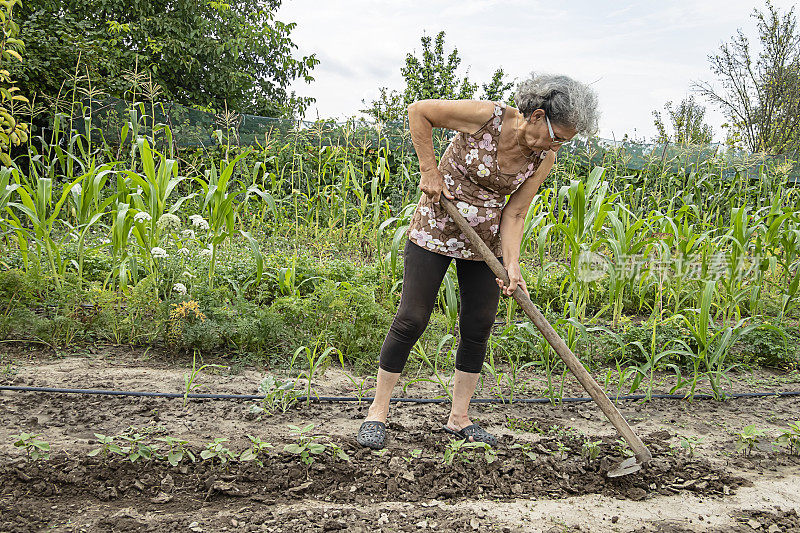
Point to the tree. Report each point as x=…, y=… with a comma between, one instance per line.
x=200, y=53
x=434, y=75
x=686, y=122
x=497, y=87
x=760, y=92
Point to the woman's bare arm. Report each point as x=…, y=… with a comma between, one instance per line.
x=460, y=115
x=512, y=220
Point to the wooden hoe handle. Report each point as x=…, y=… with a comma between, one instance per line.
x=640, y=451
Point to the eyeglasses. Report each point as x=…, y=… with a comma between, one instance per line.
x=553, y=138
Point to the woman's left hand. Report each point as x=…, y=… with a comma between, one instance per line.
x=515, y=278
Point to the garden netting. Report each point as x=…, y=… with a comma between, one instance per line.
x=191, y=127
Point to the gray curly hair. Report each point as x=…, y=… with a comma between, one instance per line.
x=564, y=100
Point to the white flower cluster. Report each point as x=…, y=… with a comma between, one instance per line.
x=199, y=222
x=206, y=252
x=188, y=234
x=141, y=216
x=168, y=222
x=159, y=253
x=180, y=288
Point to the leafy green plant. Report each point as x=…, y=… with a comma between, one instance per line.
x=137, y=448
x=306, y=446
x=256, y=449
x=108, y=446
x=35, y=448
x=748, y=438
x=279, y=396
x=178, y=450
x=790, y=438
x=526, y=448
x=458, y=448
x=689, y=443
x=216, y=449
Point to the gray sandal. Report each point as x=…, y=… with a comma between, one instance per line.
x=474, y=431
x=372, y=434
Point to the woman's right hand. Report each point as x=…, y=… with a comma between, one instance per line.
x=432, y=184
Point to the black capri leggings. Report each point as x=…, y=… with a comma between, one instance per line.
x=424, y=271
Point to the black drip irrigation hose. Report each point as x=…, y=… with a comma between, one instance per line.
x=342, y=399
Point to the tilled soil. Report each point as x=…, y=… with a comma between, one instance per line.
x=543, y=477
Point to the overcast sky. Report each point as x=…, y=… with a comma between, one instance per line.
x=637, y=55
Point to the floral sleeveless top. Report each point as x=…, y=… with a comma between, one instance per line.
x=472, y=175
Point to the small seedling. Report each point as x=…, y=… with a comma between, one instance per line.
x=189, y=380
x=338, y=452
x=590, y=450
x=278, y=396
x=458, y=448
x=689, y=444
x=790, y=438
x=178, y=449
x=414, y=454
x=216, y=449
x=257, y=447
x=748, y=438
x=35, y=449
x=316, y=361
x=137, y=449
x=519, y=424
x=381, y=452
x=107, y=446
x=306, y=445
x=527, y=450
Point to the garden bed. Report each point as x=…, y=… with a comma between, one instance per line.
x=541, y=479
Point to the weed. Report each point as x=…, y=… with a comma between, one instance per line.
x=416, y=453
x=590, y=450
x=34, y=447
x=520, y=424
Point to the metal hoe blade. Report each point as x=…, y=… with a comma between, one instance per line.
x=628, y=466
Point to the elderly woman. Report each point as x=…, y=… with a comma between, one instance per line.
x=498, y=151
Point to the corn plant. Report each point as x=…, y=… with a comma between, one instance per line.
x=316, y=360
x=419, y=351
x=219, y=206
x=713, y=347
x=38, y=207
x=190, y=379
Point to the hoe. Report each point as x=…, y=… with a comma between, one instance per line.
x=641, y=453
